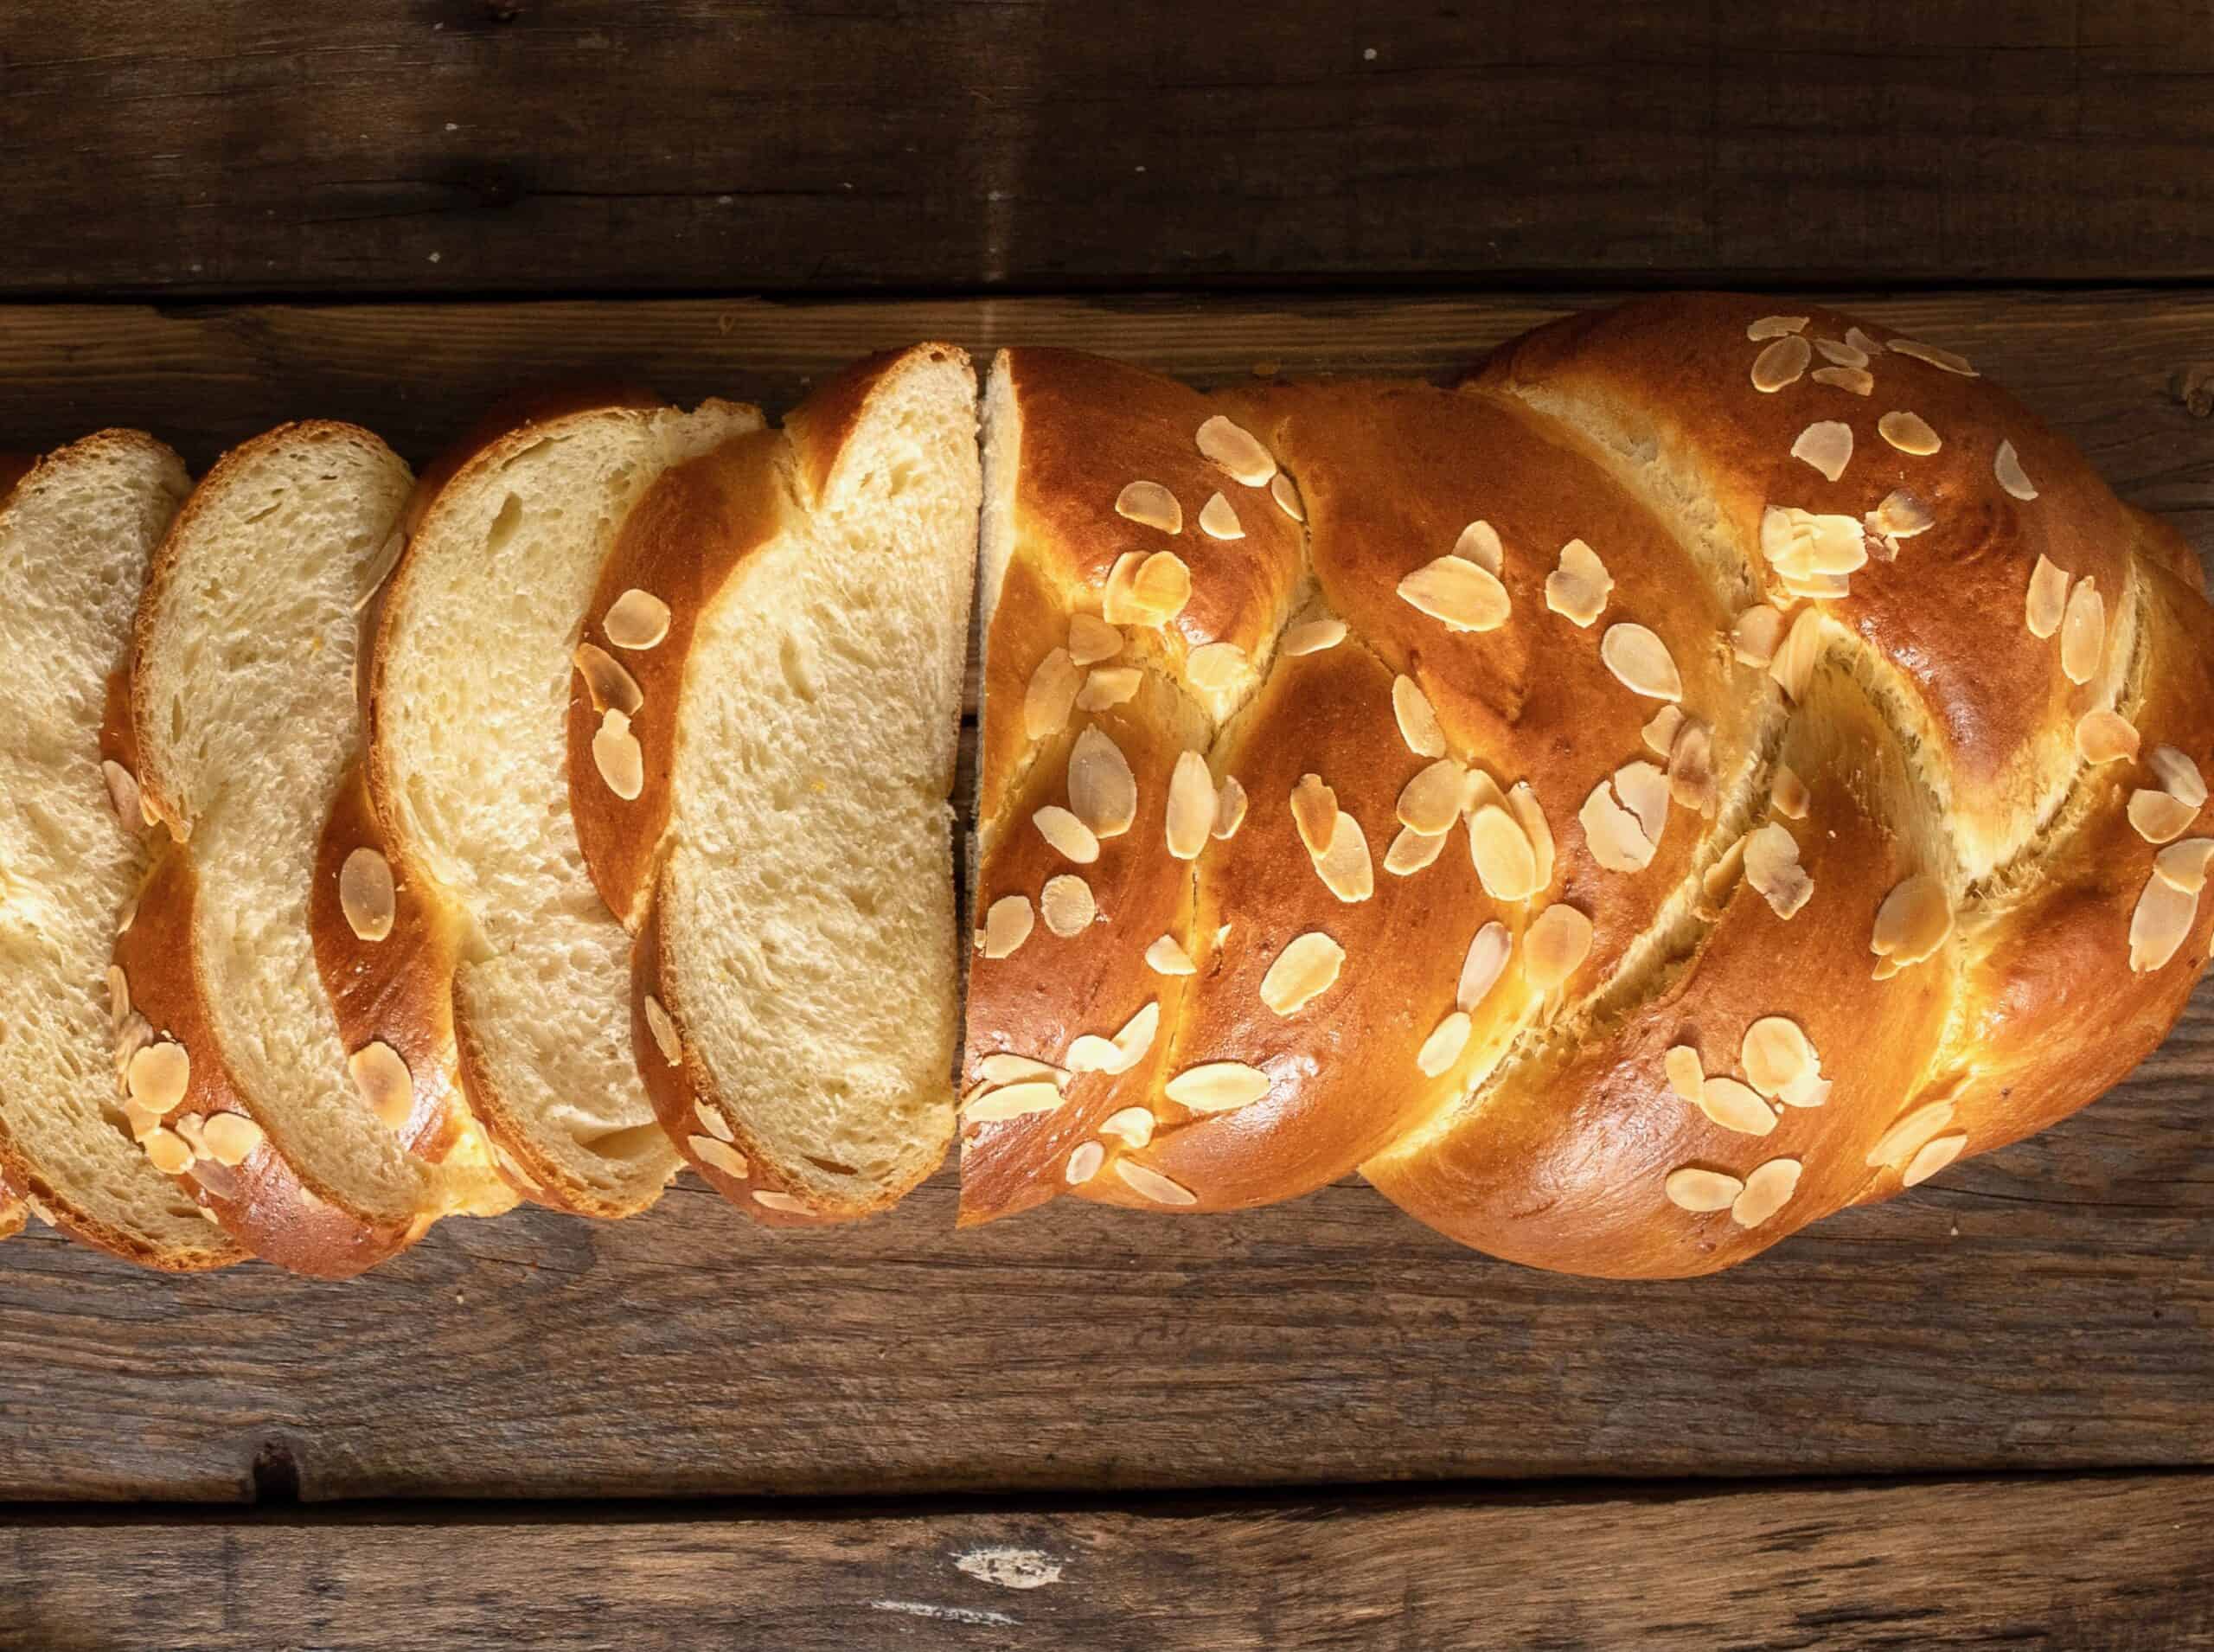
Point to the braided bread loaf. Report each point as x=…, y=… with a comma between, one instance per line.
x=1712, y=767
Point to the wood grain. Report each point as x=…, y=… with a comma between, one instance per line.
x=2124, y=1561
x=2044, y=1306
x=454, y=146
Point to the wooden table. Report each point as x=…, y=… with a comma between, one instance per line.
x=1984, y=1413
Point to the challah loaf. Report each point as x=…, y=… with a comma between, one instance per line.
x=1715, y=767
x=76, y=535
x=761, y=744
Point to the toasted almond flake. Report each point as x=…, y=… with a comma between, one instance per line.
x=1217, y=1086
x=718, y=1154
x=1485, y=962
x=1053, y=690
x=1071, y=838
x=1480, y=790
x=1103, y=792
x=1118, y=603
x=1135, y=1037
x=1660, y=733
x=1218, y=519
x=1190, y=806
x=607, y=680
x=1843, y=352
x=1913, y=922
x=2083, y=631
x=158, y=1073
x=118, y=998
x=789, y=1204
x=134, y=1035
x=1768, y=1189
x=1478, y=543
x=1861, y=342
x=2007, y=467
x=167, y=1150
x=712, y=1121
x=1558, y=942
x=1463, y=596
x=1007, y=926
x=2048, y=598
x=1774, y=1053
x=1612, y=834
x=2159, y=816
x=1901, y=516
x=381, y=567
x=1151, y=1184
x=1108, y=687
x=1161, y=587
x=1774, y=327
x=1810, y=1089
x=1826, y=446
x=1700, y=1190
x=1067, y=905
x=1411, y=851
x=1686, y=1075
x=1301, y=972
x=1237, y=451
x=230, y=1138
x=1418, y=724
x=636, y=620
x=1132, y=1126
x=2158, y=927
x=1315, y=811
x=1285, y=492
x=1753, y=638
x=1314, y=636
x=128, y=916
x=1345, y=867
x=1017, y=1100
x=617, y=756
x=2183, y=865
x=1909, y=1133
x=123, y=794
x=1083, y=1162
x=1005, y=1066
x=1444, y=1044
x=1644, y=791
x=1641, y=662
x=1908, y=433
x=1792, y=668
x=1787, y=793
x=2178, y=774
x=1216, y=666
x=1691, y=770
x=143, y=1120
x=1934, y=1156
x=1167, y=957
x=1229, y=807
x=1806, y=546
x=1772, y=867
x=1150, y=505
x=1735, y=1106
x=1781, y=363
x=663, y=1029
x=1578, y=589
x=1934, y=355
x=381, y=1075
x=1091, y=639
x=1089, y=1053
x=1855, y=380
x=365, y=894
x=1506, y=865
x=1530, y=815
x=1430, y=803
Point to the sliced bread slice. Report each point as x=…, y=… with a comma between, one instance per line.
x=760, y=778
x=469, y=688
x=76, y=535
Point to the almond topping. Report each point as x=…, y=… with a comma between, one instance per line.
x=1190, y=806
x=1091, y=1053
x=713, y=1122
x=1686, y=1076
x=1642, y=661
x=1085, y=1163
x=1901, y=516
x=1007, y=926
x=1430, y=803
x=607, y=680
x=118, y=998
x=386, y=1084
x=789, y=1204
x=2048, y=597
x=1151, y=1184
x=1237, y=451
x=1612, y=834
x=230, y=1138
x=1530, y=815
x=2160, y=923
x=1699, y=1191
x=718, y=1156
x=1478, y=543
x=1557, y=942
x=1506, y=865
x=1108, y=686
x=1053, y=690
x=2159, y=816
x=2007, y=467
x=1315, y=811
x=1005, y=1066
x=169, y=1152
x=663, y=1029
x=1070, y=837
x=1775, y=1052
x=1485, y=962
x=1345, y=867
x=1828, y=447
x=2183, y=865
x=1856, y=380
x=1283, y=490
x=1411, y=851
x=2178, y=774
x=1418, y=724
x=1787, y=793
x=1935, y=356
x=1781, y=363
x=1301, y=972
x=1215, y=666
x=1091, y=639
x=1017, y=1100
x=1660, y=733
x=1229, y=808
x=1772, y=867
x=1118, y=604
x=123, y=795
x=1217, y=1086
x=1444, y=1044
x=2083, y=632
x=1774, y=327
x=616, y=753
x=1102, y=791
x=1132, y=1126
x=1218, y=519
x=1691, y=770
x=636, y=620
x=1150, y=505
x=1934, y=1156
x=1842, y=352
x=1464, y=596
x=365, y=894
x=1734, y=1106
x=1160, y=590
x=1067, y=904
x=1313, y=636
x=1768, y=1189
x=1913, y=922
x=1792, y=668
x=157, y=1075
x=1803, y=545
x=1908, y=433
x=1753, y=638
x=1166, y=957
x=1578, y=590
x=1908, y=1135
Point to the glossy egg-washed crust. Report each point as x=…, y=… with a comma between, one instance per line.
x=1936, y=739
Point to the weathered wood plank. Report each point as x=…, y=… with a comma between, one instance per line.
x=568, y=145
x=2048, y=1305
x=2064, y=1562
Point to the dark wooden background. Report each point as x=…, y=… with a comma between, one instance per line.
x=1984, y=1414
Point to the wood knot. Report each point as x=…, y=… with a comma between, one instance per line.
x=2192, y=385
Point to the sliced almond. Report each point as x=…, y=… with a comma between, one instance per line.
x=2007, y=467
x=1700, y=1190
x=1071, y=838
x=1216, y=667
x=1229, y=807
x=2159, y=816
x=636, y=620
x=2083, y=632
x=1313, y=636
x=1345, y=867
x=1417, y=721
x=1843, y=352
x=1133, y=1126
x=1217, y=1086
x=713, y=1122
x=381, y=1075
x=1907, y=1133
x=1735, y=1106
x=1218, y=519
x=1803, y=545
x=1781, y=363
x=230, y=1138
x=2048, y=598
x=1792, y=668
x=607, y=680
x=1774, y=327
x=1091, y=1053
x=1810, y=1089
x=1301, y=972
x=1160, y=588
x=2183, y=865
x=1774, y=1053
x=2158, y=927
x=118, y=998
x=1237, y=451
x=365, y=894
x=1151, y=1184
x=1660, y=733
x=1484, y=965
x=1768, y=1189
x=1103, y=792
x=1315, y=811
x=158, y=1074
x=123, y=795
x=2178, y=774
x=1772, y=867
x=1530, y=815
x=1108, y=687
x=1611, y=833
x=1578, y=589
x=1007, y=926
x=720, y=1155
x=1934, y=1156
x=663, y=1028
x=1753, y=638
x=1935, y=356
x=1558, y=942
x=1084, y=1161
x=1913, y=922
x=169, y=1151
x=1463, y=596
x=1787, y=793
x=1691, y=770
x=143, y=1120
x=1826, y=446
x=1644, y=791
x=1478, y=543
x=1285, y=492
x=1908, y=433
x=1190, y=806
x=1118, y=604
x=1686, y=1075
x=1067, y=905
x=789, y=1204
x=1091, y=639
x=1005, y=1066
x=1641, y=661
x=1430, y=803
x=1053, y=690
x=1150, y=505
x=618, y=757
x=1017, y=1100
x=1506, y=865
x=1166, y=957
x=1854, y=381
x=1444, y=1044
x=1901, y=516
